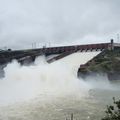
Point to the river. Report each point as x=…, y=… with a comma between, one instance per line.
x=53, y=92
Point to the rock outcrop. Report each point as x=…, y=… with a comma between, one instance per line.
x=108, y=62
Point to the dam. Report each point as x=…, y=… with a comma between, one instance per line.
x=46, y=90
x=7, y=56
x=28, y=56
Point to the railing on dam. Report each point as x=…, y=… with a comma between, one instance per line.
x=81, y=48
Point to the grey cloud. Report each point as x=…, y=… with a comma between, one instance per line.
x=23, y=22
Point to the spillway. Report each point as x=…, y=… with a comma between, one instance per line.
x=52, y=91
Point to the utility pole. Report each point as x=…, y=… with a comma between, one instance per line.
x=32, y=45
x=118, y=38
x=49, y=44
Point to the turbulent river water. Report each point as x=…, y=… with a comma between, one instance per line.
x=45, y=91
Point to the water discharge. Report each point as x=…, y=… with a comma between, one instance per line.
x=31, y=88
x=26, y=82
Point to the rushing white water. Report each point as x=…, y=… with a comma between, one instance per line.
x=59, y=78
x=52, y=91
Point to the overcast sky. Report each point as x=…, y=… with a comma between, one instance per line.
x=23, y=22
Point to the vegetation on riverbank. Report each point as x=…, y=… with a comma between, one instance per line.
x=106, y=62
x=113, y=111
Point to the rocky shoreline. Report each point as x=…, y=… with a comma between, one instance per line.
x=107, y=62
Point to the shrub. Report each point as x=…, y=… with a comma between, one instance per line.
x=113, y=111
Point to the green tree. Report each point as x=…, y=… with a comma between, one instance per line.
x=113, y=111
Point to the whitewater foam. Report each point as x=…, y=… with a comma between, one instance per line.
x=22, y=83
